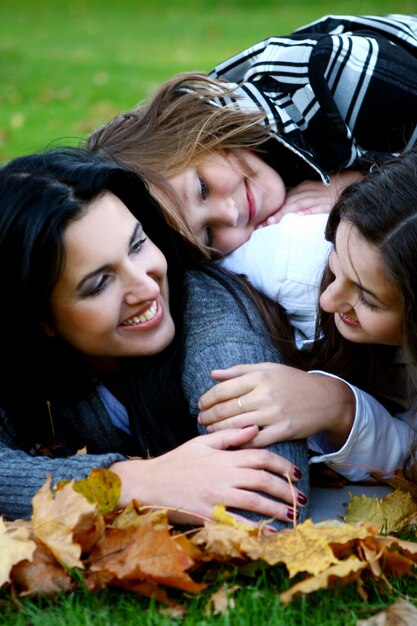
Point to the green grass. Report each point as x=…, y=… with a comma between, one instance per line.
x=67, y=66
x=256, y=602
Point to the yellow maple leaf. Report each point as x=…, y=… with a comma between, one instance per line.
x=343, y=571
x=54, y=520
x=220, y=514
x=305, y=548
x=15, y=546
x=101, y=486
x=387, y=512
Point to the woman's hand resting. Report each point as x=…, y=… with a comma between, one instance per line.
x=283, y=402
x=203, y=472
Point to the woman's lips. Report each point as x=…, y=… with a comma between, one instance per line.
x=348, y=321
x=251, y=202
x=145, y=319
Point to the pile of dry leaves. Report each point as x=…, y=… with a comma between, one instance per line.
x=76, y=528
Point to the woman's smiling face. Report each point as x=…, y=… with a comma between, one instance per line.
x=223, y=203
x=366, y=304
x=112, y=298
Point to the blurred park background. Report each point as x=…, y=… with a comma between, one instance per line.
x=67, y=66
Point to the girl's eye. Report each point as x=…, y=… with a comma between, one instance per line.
x=204, y=190
x=209, y=236
x=365, y=302
x=137, y=245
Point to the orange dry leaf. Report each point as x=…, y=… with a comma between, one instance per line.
x=221, y=541
x=55, y=519
x=343, y=572
x=387, y=512
x=305, y=548
x=15, y=546
x=143, y=554
x=41, y=575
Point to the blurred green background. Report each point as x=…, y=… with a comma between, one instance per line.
x=67, y=66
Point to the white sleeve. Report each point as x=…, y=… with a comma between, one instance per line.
x=285, y=261
x=378, y=440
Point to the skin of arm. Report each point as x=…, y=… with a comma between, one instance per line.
x=270, y=397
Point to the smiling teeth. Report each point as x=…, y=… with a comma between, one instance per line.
x=144, y=317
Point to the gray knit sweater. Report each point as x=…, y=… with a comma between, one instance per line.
x=217, y=333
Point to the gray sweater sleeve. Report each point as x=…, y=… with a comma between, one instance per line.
x=221, y=330
x=21, y=474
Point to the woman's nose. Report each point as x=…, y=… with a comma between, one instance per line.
x=140, y=286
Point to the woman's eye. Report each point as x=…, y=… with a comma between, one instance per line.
x=97, y=287
x=137, y=245
x=204, y=191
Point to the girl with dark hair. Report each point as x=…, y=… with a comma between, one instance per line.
x=366, y=335
x=95, y=354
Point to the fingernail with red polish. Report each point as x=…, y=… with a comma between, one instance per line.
x=301, y=499
x=291, y=514
x=297, y=473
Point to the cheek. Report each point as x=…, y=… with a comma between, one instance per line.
x=228, y=239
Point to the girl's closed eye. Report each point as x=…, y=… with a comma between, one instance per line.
x=366, y=302
x=204, y=190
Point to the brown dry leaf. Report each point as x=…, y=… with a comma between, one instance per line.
x=134, y=515
x=41, y=575
x=101, y=486
x=15, y=546
x=397, y=481
x=221, y=541
x=143, y=554
x=387, y=512
x=343, y=572
x=401, y=613
x=55, y=518
x=221, y=601
x=397, y=556
x=306, y=548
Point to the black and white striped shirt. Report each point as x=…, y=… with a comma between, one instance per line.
x=339, y=92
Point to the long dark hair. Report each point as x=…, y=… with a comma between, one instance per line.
x=40, y=195
x=383, y=209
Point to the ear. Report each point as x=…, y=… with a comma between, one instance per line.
x=47, y=328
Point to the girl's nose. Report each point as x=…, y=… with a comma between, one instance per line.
x=227, y=212
x=336, y=299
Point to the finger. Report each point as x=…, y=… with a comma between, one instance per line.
x=226, y=390
x=238, y=406
x=239, y=421
x=237, y=370
x=274, y=486
x=231, y=438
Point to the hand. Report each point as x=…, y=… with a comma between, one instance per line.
x=204, y=471
x=285, y=403
x=312, y=196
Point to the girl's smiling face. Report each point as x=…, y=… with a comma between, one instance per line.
x=112, y=298
x=367, y=306
x=224, y=201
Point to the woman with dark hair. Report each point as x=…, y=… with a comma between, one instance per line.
x=366, y=335
x=97, y=357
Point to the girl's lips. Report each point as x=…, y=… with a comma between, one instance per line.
x=348, y=321
x=251, y=202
